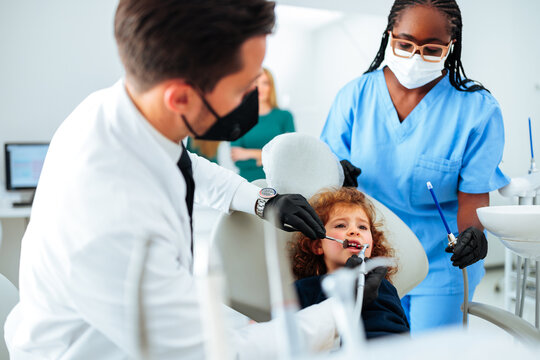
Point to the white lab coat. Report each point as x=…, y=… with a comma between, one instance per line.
x=110, y=182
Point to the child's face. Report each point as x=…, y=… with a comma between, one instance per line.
x=345, y=222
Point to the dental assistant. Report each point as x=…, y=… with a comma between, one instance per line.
x=117, y=177
x=419, y=119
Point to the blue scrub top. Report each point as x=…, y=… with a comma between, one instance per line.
x=452, y=138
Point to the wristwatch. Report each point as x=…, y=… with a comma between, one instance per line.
x=265, y=194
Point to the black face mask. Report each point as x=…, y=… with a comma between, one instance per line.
x=233, y=125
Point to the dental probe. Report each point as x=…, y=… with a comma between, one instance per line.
x=345, y=242
x=451, y=238
x=342, y=242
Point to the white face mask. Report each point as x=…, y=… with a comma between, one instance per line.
x=414, y=72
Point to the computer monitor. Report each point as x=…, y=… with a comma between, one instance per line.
x=24, y=162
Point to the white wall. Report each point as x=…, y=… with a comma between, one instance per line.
x=287, y=52
x=54, y=53
x=501, y=50
x=344, y=51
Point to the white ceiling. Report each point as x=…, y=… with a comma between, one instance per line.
x=305, y=18
x=374, y=7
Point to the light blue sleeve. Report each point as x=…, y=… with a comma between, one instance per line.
x=480, y=171
x=338, y=127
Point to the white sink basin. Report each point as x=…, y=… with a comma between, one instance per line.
x=518, y=227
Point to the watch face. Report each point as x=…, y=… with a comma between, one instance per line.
x=267, y=193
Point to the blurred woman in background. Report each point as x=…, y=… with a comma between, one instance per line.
x=204, y=148
x=246, y=151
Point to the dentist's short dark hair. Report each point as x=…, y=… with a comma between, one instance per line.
x=196, y=40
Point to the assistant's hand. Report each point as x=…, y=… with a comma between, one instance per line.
x=373, y=279
x=295, y=211
x=471, y=246
x=353, y=261
x=371, y=286
x=351, y=173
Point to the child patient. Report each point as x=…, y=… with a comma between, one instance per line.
x=348, y=214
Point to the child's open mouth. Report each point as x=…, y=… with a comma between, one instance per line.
x=352, y=244
x=348, y=244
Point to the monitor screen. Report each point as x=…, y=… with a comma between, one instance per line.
x=23, y=164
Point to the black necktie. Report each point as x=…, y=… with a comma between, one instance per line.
x=184, y=164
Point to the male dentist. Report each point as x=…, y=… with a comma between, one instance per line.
x=117, y=176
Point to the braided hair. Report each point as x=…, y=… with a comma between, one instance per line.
x=453, y=64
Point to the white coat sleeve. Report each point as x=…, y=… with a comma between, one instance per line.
x=315, y=323
x=220, y=188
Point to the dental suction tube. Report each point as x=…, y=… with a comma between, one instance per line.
x=361, y=282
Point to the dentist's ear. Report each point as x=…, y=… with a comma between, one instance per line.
x=178, y=97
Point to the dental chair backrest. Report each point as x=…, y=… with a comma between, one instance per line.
x=298, y=163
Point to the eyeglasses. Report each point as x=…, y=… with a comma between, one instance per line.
x=429, y=52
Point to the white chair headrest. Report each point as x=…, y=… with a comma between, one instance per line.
x=300, y=164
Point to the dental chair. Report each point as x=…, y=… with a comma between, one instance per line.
x=298, y=163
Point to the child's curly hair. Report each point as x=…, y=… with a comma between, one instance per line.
x=305, y=262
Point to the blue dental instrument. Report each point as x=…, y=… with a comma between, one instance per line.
x=451, y=238
x=530, y=139
x=533, y=168
x=452, y=241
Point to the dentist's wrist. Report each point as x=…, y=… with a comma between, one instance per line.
x=245, y=198
x=265, y=194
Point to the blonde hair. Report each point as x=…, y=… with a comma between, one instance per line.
x=207, y=148
x=272, y=98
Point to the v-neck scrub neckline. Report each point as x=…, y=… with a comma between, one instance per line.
x=402, y=128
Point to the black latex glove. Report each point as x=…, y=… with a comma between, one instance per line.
x=295, y=211
x=371, y=286
x=351, y=173
x=471, y=246
x=353, y=261
x=373, y=279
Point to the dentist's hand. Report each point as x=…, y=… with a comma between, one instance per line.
x=293, y=213
x=373, y=279
x=471, y=246
x=351, y=173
